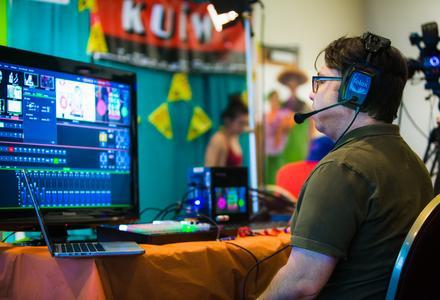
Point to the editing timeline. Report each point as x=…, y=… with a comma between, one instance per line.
x=71, y=132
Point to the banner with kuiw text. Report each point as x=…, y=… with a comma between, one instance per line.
x=173, y=35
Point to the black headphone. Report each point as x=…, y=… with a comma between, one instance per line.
x=356, y=82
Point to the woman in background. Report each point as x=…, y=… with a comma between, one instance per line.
x=224, y=148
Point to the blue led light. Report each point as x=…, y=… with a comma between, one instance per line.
x=434, y=61
x=197, y=202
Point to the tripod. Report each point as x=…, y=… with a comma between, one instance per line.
x=434, y=140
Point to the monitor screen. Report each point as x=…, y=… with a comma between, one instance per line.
x=72, y=126
x=230, y=200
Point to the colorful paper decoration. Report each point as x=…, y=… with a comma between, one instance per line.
x=96, y=42
x=180, y=89
x=200, y=123
x=160, y=118
x=63, y=2
x=86, y=4
x=244, y=97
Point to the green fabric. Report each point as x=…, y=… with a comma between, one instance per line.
x=296, y=149
x=297, y=143
x=358, y=205
x=3, y=23
x=163, y=164
x=273, y=164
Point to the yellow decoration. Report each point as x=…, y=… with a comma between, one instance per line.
x=200, y=123
x=244, y=97
x=96, y=41
x=86, y=4
x=180, y=88
x=160, y=118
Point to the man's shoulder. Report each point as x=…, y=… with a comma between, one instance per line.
x=378, y=156
x=367, y=151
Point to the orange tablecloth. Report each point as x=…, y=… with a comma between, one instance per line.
x=196, y=270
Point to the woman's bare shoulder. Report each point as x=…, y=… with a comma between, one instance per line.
x=219, y=140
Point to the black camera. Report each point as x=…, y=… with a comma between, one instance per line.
x=429, y=59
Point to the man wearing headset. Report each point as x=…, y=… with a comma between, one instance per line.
x=359, y=203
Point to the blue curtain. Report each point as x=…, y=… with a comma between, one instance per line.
x=62, y=31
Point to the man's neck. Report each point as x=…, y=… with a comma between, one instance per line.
x=362, y=120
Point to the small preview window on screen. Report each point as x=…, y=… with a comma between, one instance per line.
x=230, y=199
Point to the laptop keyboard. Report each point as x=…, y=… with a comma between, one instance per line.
x=82, y=247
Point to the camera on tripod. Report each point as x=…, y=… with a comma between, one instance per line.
x=429, y=63
x=429, y=59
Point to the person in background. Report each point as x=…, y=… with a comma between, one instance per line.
x=292, y=77
x=319, y=147
x=299, y=136
x=224, y=148
x=278, y=122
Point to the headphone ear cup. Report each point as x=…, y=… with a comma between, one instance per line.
x=355, y=86
x=344, y=84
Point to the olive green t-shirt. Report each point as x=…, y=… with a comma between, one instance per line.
x=358, y=205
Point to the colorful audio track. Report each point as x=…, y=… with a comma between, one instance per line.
x=32, y=155
x=66, y=189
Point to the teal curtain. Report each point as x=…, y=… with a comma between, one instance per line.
x=62, y=31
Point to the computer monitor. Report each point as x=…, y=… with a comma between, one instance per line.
x=72, y=126
x=219, y=192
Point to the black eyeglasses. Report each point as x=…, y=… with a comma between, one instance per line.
x=317, y=80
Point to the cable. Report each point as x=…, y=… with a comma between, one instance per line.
x=358, y=109
x=413, y=122
x=257, y=271
x=176, y=207
x=273, y=195
x=147, y=209
x=217, y=238
x=164, y=210
x=184, y=200
x=8, y=236
x=257, y=264
x=431, y=110
x=170, y=210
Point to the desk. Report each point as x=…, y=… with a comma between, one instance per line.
x=196, y=270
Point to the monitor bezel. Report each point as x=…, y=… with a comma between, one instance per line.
x=19, y=219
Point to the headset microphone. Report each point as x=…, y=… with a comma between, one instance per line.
x=300, y=118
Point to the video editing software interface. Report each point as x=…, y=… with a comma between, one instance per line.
x=72, y=134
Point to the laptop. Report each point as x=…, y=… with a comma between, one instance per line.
x=80, y=249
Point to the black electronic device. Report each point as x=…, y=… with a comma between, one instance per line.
x=163, y=232
x=72, y=127
x=428, y=61
x=219, y=192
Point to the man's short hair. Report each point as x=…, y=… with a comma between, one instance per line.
x=386, y=90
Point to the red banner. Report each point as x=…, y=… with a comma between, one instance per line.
x=174, y=35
